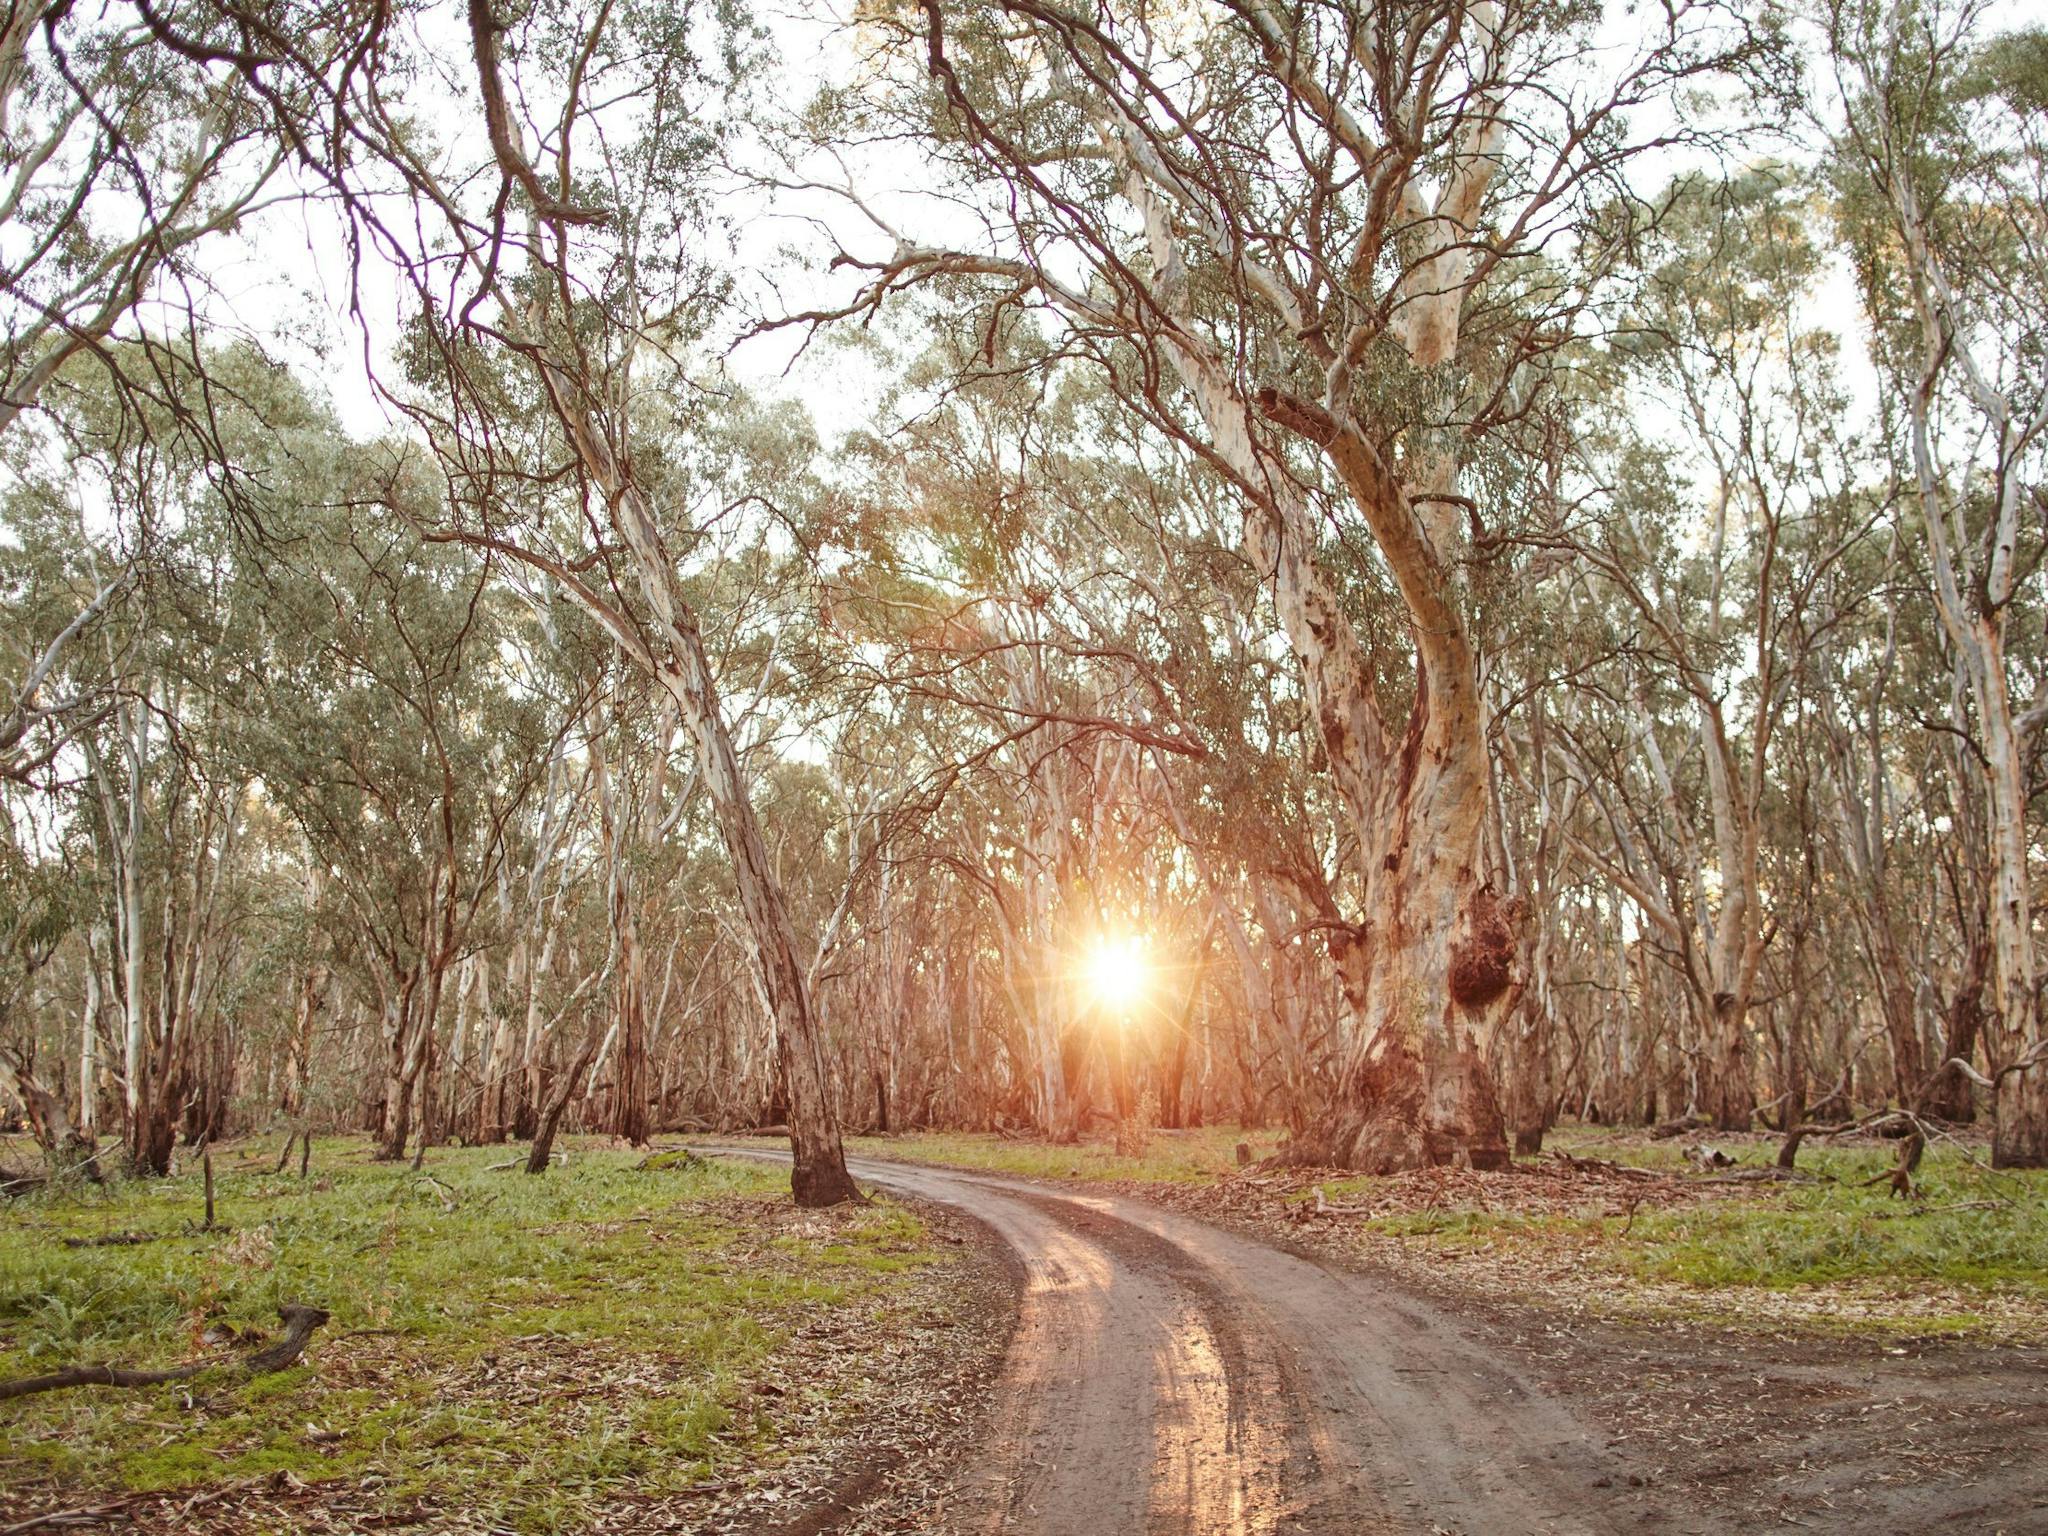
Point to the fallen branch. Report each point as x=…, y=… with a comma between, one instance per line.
x=1602, y=1165
x=84, y=1514
x=1953, y=1205
x=668, y=1157
x=1775, y=1174
x=1683, y=1125
x=1324, y=1208
x=112, y=1240
x=300, y=1322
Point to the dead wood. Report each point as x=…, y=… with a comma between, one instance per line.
x=668, y=1157
x=1953, y=1205
x=1325, y=1208
x=112, y=1240
x=84, y=1514
x=1602, y=1165
x=1774, y=1174
x=1680, y=1127
x=1900, y=1174
x=300, y=1322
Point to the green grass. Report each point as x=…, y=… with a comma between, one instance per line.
x=1972, y=1231
x=1169, y=1157
x=544, y=1344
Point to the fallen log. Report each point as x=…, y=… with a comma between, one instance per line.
x=112, y=1240
x=300, y=1322
x=1683, y=1125
x=1602, y=1165
x=668, y=1157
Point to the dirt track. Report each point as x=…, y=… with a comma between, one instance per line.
x=1169, y=1376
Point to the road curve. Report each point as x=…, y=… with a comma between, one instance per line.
x=1169, y=1377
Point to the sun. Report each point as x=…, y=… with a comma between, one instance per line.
x=1118, y=972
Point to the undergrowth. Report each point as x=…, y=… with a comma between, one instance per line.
x=1970, y=1230
x=518, y=1347
x=1171, y=1157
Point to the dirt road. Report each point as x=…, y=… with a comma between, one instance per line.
x=1171, y=1377
x=1168, y=1376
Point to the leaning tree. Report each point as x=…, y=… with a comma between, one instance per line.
x=1330, y=250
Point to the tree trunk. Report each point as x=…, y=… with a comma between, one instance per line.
x=2020, y=1105
x=299, y=1048
x=1727, y=1095
x=1530, y=1088
x=1948, y=1094
x=558, y=1101
x=66, y=1149
x=1430, y=976
x=818, y=1175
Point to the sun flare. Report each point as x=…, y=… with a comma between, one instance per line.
x=1118, y=972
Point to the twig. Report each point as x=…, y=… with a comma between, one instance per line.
x=1954, y=1205
x=84, y=1512
x=1324, y=1208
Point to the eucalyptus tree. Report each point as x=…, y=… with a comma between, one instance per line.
x=1026, y=583
x=1300, y=241
x=390, y=717
x=151, y=766
x=43, y=890
x=1943, y=160
x=1734, y=497
x=583, y=321
x=136, y=141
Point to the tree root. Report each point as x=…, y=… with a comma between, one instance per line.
x=300, y=1321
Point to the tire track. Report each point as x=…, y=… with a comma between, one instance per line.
x=1169, y=1378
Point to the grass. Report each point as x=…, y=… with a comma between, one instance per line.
x=543, y=1345
x=1969, y=1255
x=1978, y=1238
x=1169, y=1157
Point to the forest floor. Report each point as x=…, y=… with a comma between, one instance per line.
x=634, y=1344
x=1200, y=1353
x=1653, y=1235
x=605, y=1347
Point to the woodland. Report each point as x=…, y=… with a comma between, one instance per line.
x=1487, y=554
x=1398, y=572
x=1404, y=630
